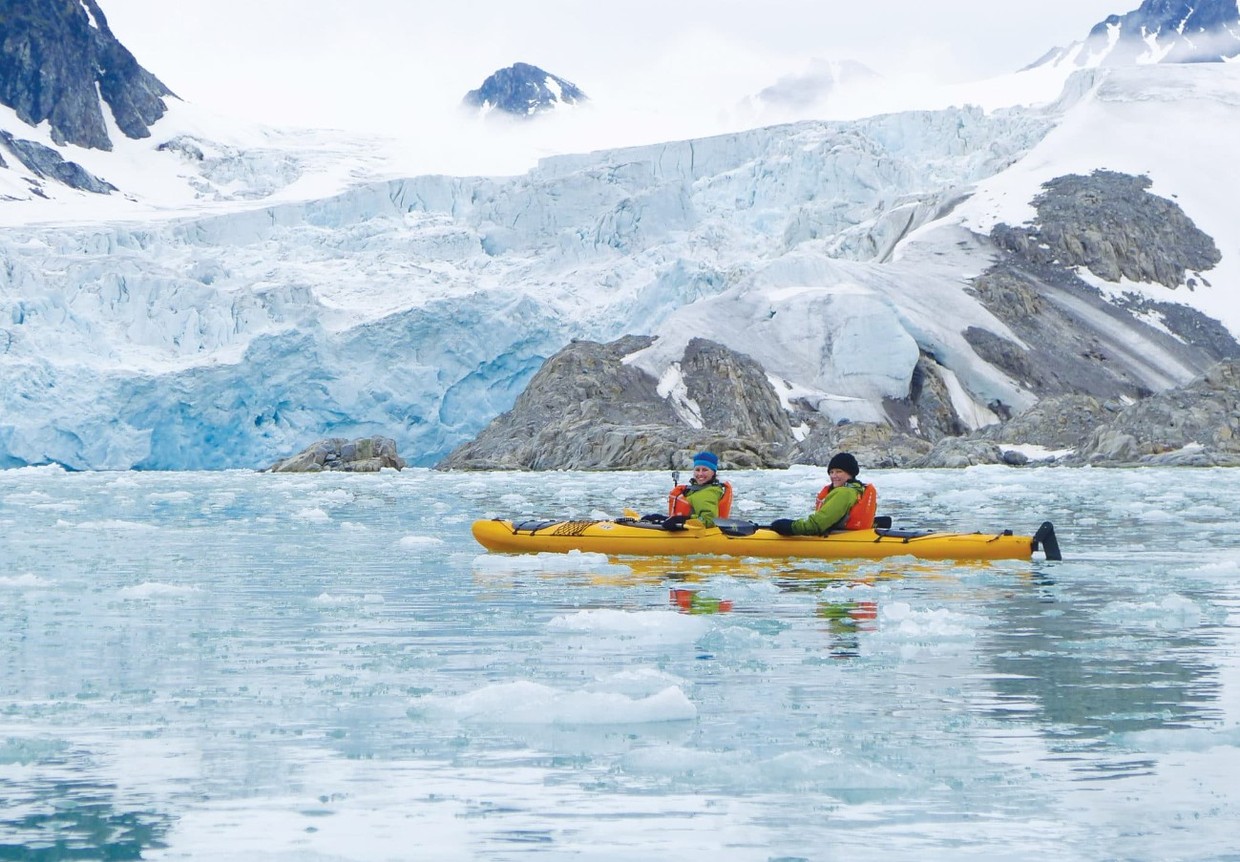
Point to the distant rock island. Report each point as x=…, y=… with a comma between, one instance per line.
x=524, y=91
x=363, y=455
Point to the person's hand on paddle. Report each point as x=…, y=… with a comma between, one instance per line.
x=675, y=523
x=783, y=526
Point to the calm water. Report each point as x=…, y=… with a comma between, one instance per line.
x=249, y=666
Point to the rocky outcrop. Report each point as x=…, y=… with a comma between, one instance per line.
x=1110, y=224
x=1054, y=424
x=732, y=394
x=58, y=59
x=1068, y=336
x=1194, y=425
x=875, y=445
x=586, y=409
x=45, y=162
x=927, y=411
x=363, y=455
x=967, y=452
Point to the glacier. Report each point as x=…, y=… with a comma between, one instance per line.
x=235, y=332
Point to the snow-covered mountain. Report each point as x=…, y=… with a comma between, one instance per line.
x=60, y=64
x=1159, y=31
x=89, y=135
x=523, y=90
x=244, y=292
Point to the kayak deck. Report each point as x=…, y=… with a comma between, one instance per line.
x=629, y=537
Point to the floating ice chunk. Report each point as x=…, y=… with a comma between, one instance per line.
x=1223, y=568
x=410, y=542
x=573, y=561
x=525, y=702
x=312, y=513
x=898, y=619
x=663, y=626
x=23, y=581
x=155, y=590
x=1180, y=739
x=1171, y=612
x=30, y=751
x=638, y=682
x=333, y=497
x=170, y=496
x=330, y=600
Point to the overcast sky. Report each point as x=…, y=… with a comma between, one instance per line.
x=394, y=65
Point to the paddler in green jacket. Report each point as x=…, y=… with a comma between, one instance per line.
x=702, y=494
x=699, y=499
x=834, y=508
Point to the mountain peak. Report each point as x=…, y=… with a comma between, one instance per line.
x=523, y=90
x=1160, y=31
x=59, y=60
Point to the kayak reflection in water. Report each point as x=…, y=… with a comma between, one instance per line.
x=845, y=623
x=693, y=602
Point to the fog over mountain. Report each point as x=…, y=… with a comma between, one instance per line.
x=215, y=295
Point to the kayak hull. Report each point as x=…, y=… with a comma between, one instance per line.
x=632, y=538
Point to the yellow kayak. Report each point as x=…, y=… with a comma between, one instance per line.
x=737, y=538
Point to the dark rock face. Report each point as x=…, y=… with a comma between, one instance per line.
x=928, y=405
x=1110, y=224
x=1200, y=31
x=45, y=162
x=1068, y=338
x=733, y=393
x=586, y=409
x=1072, y=338
x=523, y=90
x=57, y=57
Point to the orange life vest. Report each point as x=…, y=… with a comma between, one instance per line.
x=861, y=515
x=678, y=503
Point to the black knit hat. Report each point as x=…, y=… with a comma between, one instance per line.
x=847, y=463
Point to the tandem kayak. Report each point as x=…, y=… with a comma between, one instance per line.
x=737, y=538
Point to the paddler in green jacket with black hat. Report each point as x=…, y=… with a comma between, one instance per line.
x=834, y=506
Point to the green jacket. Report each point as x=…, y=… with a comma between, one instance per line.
x=704, y=500
x=834, y=509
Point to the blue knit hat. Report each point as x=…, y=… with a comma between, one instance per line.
x=706, y=459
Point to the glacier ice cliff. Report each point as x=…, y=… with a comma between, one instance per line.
x=419, y=308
